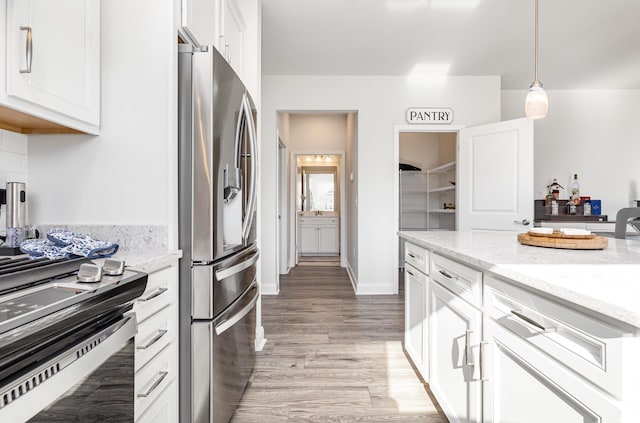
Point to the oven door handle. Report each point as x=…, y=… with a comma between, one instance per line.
x=227, y=323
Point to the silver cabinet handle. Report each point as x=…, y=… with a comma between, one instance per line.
x=467, y=348
x=409, y=272
x=153, y=340
x=29, y=49
x=227, y=52
x=482, y=358
x=152, y=388
x=524, y=222
x=529, y=320
x=446, y=275
x=154, y=294
x=230, y=271
x=411, y=255
x=227, y=323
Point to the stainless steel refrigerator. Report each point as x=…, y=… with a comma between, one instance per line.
x=217, y=234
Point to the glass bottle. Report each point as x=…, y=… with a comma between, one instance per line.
x=575, y=190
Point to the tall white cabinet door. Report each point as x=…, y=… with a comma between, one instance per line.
x=495, y=176
x=523, y=385
x=454, y=336
x=328, y=238
x=415, y=319
x=54, y=55
x=234, y=29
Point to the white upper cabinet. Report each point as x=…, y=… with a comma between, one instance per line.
x=53, y=61
x=201, y=22
x=231, y=26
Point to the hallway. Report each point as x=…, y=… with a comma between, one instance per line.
x=333, y=357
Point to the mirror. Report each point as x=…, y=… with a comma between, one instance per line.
x=316, y=188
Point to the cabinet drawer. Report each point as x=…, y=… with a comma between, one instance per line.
x=458, y=278
x=416, y=256
x=318, y=220
x=154, y=334
x=592, y=348
x=160, y=292
x=153, y=378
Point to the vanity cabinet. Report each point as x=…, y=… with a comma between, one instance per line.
x=156, y=355
x=319, y=235
x=501, y=353
x=52, y=66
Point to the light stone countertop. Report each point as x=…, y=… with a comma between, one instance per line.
x=605, y=281
x=147, y=260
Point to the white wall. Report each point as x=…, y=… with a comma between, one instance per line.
x=381, y=103
x=124, y=175
x=427, y=150
x=317, y=132
x=589, y=132
x=13, y=166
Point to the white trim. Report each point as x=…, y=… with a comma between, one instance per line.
x=352, y=277
x=366, y=289
x=397, y=129
x=260, y=341
x=273, y=290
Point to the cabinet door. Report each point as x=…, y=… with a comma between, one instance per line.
x=415, y=323
x=53, y=55
x=454, y=335
x=201, y=21
x=522, y=384
x=233, y=36
x=328, y=239
x=164, y=409
x=308, y=239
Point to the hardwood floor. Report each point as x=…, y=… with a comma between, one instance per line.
x=333, y=357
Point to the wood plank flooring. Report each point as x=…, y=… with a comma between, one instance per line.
x=333, y=357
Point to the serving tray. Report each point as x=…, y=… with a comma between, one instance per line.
x=570, y=242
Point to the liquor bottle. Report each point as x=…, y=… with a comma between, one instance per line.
x=575, y=190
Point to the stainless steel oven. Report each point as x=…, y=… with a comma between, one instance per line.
x=66, y=348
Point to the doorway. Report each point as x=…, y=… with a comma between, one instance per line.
x=317, y=198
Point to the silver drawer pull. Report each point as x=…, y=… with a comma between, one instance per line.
x=152, y=388
x=446, y=275
x=409, y=272
x=154, y=294
x=529, y=320
x=411, y=255
x=160, y=334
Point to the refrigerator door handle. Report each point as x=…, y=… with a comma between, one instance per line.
x=253, y=145
x=228, y=323
x=230, y=271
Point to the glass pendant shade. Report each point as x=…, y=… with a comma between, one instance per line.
x=536, y=104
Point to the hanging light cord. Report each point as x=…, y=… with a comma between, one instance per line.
x=535, y=79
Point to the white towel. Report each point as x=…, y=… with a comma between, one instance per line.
x=574, y=231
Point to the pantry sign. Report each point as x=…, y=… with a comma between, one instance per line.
x=429, y=115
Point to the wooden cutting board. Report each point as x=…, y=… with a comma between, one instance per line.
x=593, y=243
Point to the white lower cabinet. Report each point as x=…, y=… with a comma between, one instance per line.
x=524, y=385
x=498, y=353
x=156, y=355
x=319, y=235
x=415, y=330
x=454, y=328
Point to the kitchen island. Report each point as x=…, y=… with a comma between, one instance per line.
x=498, y=328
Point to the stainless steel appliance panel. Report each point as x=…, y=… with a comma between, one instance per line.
x=223, y=356
x=215, y=287
x=218, y=119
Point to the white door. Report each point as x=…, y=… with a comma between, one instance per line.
x=495, y=176
x=54, y=55
x=328, y=239
x=523, y=385
x=454, y=334
x=415, y=323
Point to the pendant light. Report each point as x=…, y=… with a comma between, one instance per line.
x=536, y=104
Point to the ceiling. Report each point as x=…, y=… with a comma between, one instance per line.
x=584, y=44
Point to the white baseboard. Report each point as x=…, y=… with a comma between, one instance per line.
x=260, y=339
x=364, y=289
x=352, y=277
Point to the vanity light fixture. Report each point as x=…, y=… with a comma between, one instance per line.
x=536, y=104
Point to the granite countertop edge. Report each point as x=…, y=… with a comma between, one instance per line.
x=618, y=300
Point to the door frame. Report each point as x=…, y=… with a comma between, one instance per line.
x=397, y=130
x=293, y=222
x=282, y=251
